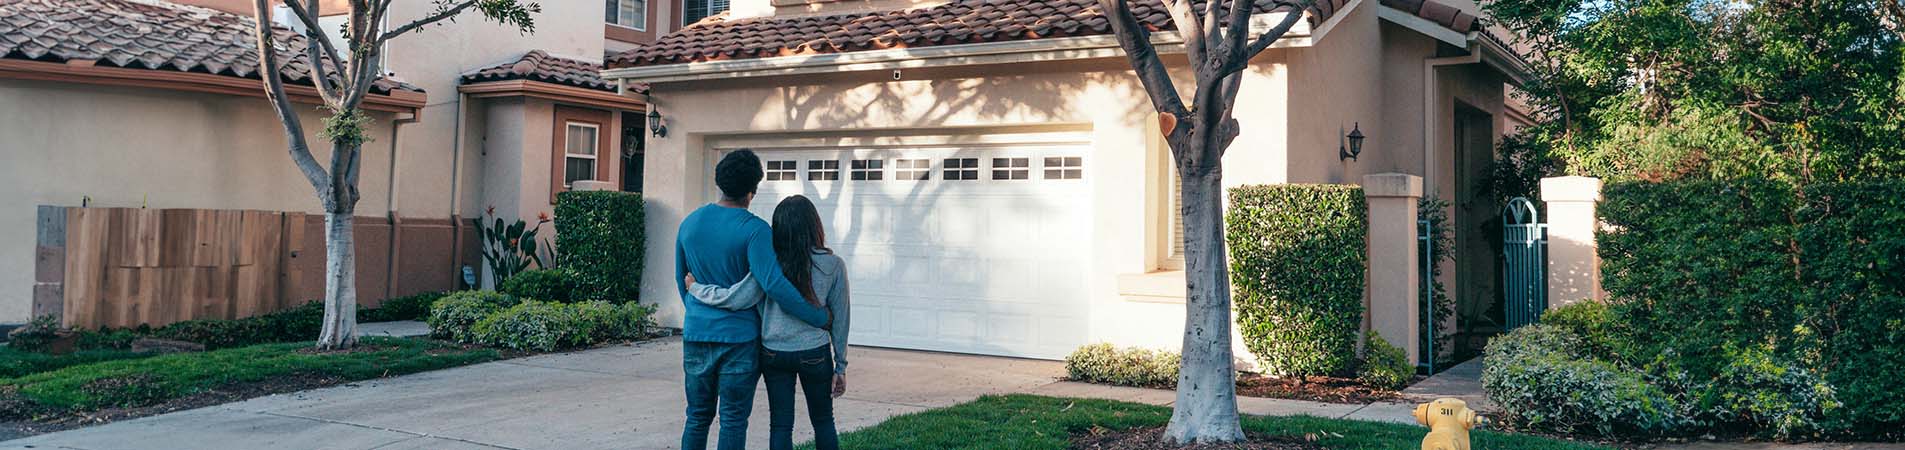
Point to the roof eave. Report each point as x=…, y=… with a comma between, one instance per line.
x=398, y=101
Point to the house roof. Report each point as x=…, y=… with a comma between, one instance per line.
x=540, y=66
x=954, y=23
x=149, y=35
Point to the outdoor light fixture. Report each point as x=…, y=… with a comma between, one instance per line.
x=1354, y=147
x=655, y=124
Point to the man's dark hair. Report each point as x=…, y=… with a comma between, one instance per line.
x=738, y=174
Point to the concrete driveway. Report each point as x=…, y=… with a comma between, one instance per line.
x=611, y=398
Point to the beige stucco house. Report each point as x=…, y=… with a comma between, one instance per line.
x=991, y=169
x=156, y=104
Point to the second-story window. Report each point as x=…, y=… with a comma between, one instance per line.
x=628, y=13
x=695, y=10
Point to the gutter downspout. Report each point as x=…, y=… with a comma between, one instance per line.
x=456, y=192
x=1429, y=96
x=390, y=217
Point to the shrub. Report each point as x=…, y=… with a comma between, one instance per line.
x=301, y=323
x=546, y=326
x=601, y=234
x=414, y=307
x=1297, y=257
x=1541, y=378
x=37, y=336
x=1385, y=366
x=452, y=316
x=1104, y=363
x=550, y=285
x=1853, y=249
x=1590, y=320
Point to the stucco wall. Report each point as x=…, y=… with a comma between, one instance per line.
x=127, y=147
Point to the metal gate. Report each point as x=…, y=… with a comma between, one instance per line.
x=1525, y=269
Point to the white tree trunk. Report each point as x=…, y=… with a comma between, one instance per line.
x=1206, y=408
x=340, y=283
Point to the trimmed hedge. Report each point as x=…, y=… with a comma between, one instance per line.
x=550, y=285
x=547, y=326
x=1297, y=257
x=1104, y=363
x=1542, y=378
x=602, y=237
x=452, y=316
x=414, y=307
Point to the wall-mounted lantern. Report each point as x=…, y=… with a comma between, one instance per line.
x=655, y=124
x=1353, y=146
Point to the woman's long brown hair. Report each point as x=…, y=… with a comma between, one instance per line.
x=797, y=233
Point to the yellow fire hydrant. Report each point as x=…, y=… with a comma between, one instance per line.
x=1448, y=420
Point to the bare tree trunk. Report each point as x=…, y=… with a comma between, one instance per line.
x=340, y=283
x=1206, y=408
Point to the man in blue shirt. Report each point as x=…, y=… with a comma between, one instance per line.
x=720, y=244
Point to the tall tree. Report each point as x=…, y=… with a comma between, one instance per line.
x=342, y=84
x=1218, y=47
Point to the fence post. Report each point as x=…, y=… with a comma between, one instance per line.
x=1574, y=269
x=1395, y=286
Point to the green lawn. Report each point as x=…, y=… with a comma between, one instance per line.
x=14, y=363
x=1034, y=422
x=150, y=380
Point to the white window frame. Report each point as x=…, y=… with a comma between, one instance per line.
x=594, y=156
x=781, y=170
x=640, y=25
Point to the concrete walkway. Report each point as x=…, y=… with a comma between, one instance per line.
x=618, y=397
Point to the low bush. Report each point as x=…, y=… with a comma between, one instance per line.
x=414, y=307
x=300, y=323
x=1590, y=320
x=601, y=234
x=1104, y=363
x=1543, y=379
x=452, y=315
x=546, y=326
x=1297, y=262
x=549, y=285
x=37, y=335
x=1384, y=366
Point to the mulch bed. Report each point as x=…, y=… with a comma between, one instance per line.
x=1316, y=389
x=1153, y=439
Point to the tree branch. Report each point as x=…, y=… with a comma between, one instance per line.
x=274, y=92
x=1144, y=58
x=317, y=47
x=438, y=16
x=1271, y=36
x=1239, y=25
x=1186, y=21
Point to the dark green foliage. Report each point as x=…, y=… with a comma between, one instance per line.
x=452, y=316
x=1543, y=378
x=414, y=307
x=1297, y=257
x=1028, y=422
x=601, y=234
x=546, y=326
x=1384, y=366
x=1853, y=253
x=1104, y=363
x=554, y=285
x=291, y=325
x=16, y=362
x=1442, y=246
x=37, y=335
x=1593, y=322
x=512, y=248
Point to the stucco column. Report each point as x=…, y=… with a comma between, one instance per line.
x=1395, y=284
x=1574, y=269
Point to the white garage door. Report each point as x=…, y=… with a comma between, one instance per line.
x=970, y=250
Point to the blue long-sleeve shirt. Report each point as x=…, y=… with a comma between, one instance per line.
x=722, y=245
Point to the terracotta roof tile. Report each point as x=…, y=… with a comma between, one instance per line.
x=958, y=22
x=149, y=35
x=540, y=66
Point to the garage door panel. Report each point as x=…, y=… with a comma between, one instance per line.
x=983, y=265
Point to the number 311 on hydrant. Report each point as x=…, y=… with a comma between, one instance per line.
x=1449, y=421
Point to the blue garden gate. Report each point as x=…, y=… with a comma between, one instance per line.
x=1525, y=268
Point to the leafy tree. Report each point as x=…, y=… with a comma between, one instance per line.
x=1795, y=90
x=342, y=84
x=1219, y=47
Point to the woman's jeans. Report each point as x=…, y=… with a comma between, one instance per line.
x=814, y=370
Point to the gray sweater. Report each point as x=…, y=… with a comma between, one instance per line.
x=781, y=331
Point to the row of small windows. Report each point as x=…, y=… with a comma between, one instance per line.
x=1055, y=168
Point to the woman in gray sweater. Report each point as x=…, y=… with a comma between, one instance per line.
x=791, y=350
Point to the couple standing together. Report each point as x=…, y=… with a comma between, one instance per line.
x=761, y=302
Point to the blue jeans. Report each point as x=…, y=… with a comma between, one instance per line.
x=814, y=369
x=723, y=374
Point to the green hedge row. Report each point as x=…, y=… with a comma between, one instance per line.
x=1297, y=261
x=602, y=241
x=1760, y=305
x=1105, y=363
x=501, y=320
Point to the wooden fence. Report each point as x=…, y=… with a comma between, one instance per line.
x=123, y=267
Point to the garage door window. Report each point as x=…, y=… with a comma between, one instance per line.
x=823, y=170
x=782, y=171
x=868, y=170
x=912, y=169
x=1064, y=168
x=962, y=168
x=1011, y=168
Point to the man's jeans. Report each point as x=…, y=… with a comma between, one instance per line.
x=719, y=373
x=814, y=368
